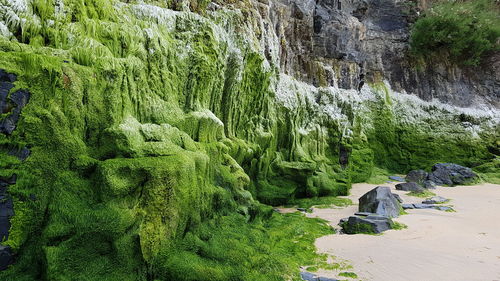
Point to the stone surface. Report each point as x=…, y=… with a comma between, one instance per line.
x=397, y=197
x=410, y=186
x=407, y=206
x=428, y=184
x=363, y=214
x=418, y=176
x=435, y=200
x=451, y=174
x=6, y=257
x=380, y=201
x=369, y=224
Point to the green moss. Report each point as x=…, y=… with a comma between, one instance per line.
x=319, y=202
x=424, y=194
x=230, y=248
x=378, y=176
x=399, y=226
x=490, y=172
x=348, y=275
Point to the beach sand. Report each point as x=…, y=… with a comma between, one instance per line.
x=437, y=245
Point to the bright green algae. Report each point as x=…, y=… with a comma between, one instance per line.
x=152, y=138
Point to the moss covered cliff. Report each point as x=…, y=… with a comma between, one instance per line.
x=155, y=135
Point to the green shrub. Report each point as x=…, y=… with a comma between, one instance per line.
x=464, y=31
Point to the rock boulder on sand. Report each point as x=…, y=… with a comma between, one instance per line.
x=418, y=176
x=435, y=200
x=451, y=174
x=380, y=201
x=409, y=186
x=369, y=224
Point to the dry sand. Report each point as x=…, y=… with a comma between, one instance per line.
x=456, y=246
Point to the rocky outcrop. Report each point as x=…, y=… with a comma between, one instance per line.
x=349, y=43
x=451, y=174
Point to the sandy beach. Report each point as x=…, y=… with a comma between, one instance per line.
x=455, y=246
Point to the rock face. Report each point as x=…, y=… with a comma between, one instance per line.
x=380, y=201
x=182, y=114
x=366, y=40
x=11, y=106
x=369, y=224
x=410, y=186
x=451, y=174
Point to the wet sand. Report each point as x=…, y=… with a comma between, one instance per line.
x=455, y=246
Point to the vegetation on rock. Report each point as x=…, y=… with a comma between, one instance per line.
x=465, y=31
x=154, y=133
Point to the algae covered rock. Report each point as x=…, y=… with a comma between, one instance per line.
x=451, y=174
x=380, y=201
x=373, y=224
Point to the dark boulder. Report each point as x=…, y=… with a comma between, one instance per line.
x=18, y=101
x=418, y=176
x=6, y=257
x=397, y=197
x=410, y=186
x=451, y=174
x=380, y=201
x=369, y=224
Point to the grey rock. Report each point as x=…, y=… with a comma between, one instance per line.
x=380, y=201
x=397, y=178
x=308, y=276
x=408, y=206
x=363, y=214
x=369, y=224
x=435, y=200
x=443, y=208
x=418, y=176
x=18, y=100
x=397, y=197
x=431, y=206
x=428, y=184
x=21, y=154
x=410, y=186
x=423, y=206
x=451, y=174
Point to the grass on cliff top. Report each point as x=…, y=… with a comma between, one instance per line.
x=229, y=248
x=464, y=30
